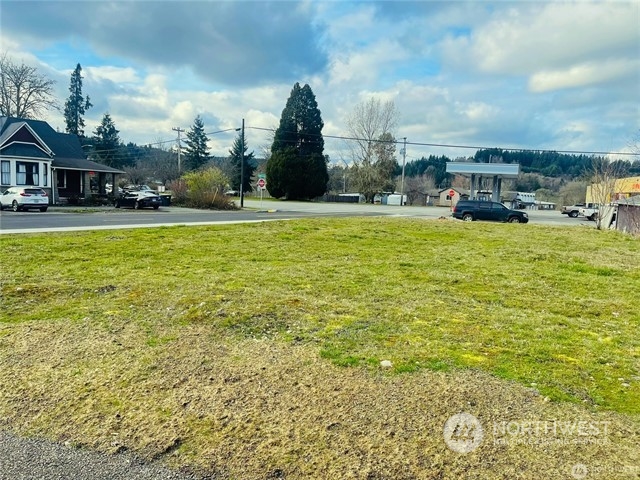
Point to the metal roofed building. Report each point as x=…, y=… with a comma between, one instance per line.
x=477, y=171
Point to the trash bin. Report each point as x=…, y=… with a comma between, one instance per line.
x=165, y=200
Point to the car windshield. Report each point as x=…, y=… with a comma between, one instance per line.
x=33, y=191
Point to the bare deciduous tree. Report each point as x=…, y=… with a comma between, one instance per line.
x=24, y=93
x=372, y=145
x=418, y=188
x=604, y=174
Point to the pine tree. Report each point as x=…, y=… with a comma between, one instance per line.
x=249, y=167
x=107, y=144
x=76, y=105
x=197, y=152
x=297, y=168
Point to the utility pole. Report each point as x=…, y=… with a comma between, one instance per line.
x=404, y=158
x=242, y=166
x=179, y=130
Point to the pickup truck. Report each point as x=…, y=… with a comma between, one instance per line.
x=572, y=210
x=577, y=210
x=591, y=212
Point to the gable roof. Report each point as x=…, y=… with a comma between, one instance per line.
x=64, y=148
x=20, y=140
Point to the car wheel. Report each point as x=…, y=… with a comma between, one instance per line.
x=155, y=207
x=514, y=220
x=467, y=217
x=136, y=206
x=116, y=204
x=15, y=207
x=43, y=209
x=573, y=214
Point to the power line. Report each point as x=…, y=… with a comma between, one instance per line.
x=397, y=142
x=471, y=147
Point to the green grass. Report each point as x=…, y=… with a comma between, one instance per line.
x=557, y=307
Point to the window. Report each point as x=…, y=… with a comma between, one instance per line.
x=27, y=173
x=45, y=175
x=6, y=173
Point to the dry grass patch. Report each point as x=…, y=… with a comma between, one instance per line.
x=255, y=409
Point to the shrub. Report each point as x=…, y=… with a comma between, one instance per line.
x=178, y=191
x=205, y=189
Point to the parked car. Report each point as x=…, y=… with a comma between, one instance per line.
x=470, y=210
x=138, y=200
x=24, y=198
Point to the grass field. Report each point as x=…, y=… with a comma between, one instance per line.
x=255, y=350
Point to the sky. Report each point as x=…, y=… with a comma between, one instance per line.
x=536, y=75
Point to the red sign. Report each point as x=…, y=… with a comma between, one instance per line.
x=452, y=193
x=261, y=182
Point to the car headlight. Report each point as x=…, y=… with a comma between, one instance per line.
x=526, y=215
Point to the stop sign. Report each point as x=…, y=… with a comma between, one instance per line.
x=261, y=182
x=452, y=193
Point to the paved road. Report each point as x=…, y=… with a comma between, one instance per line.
x=66, y=219
x=37, y=459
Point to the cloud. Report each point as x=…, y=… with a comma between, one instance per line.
x=116, y=75
x=231, y=43
x=516, y=74
x=584, y=74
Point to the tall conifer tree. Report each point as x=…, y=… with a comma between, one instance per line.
x=236, y=158
x=197, y=152
x=297, y=168
x=76, y=105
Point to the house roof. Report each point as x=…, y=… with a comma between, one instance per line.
x=633, y=201
x=63, y=148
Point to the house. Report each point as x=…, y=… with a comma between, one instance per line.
x=628, y=215
x=449, y=200
x=34, y=154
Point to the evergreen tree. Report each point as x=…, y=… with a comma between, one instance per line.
x=107, y=144
x=197, y=152
x=297, y=168
x=76, y=105
x=236, y=158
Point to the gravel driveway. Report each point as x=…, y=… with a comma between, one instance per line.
x=37, y=459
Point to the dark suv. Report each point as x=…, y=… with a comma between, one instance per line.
x=470, y=210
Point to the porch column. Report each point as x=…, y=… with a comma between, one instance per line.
x=86, y=185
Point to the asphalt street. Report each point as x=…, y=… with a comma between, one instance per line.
x=101, y=218
x=38, y=459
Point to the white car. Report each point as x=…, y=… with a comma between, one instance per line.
x=24, y=198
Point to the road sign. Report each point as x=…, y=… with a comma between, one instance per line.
x=452, y=192
x=262, y=183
